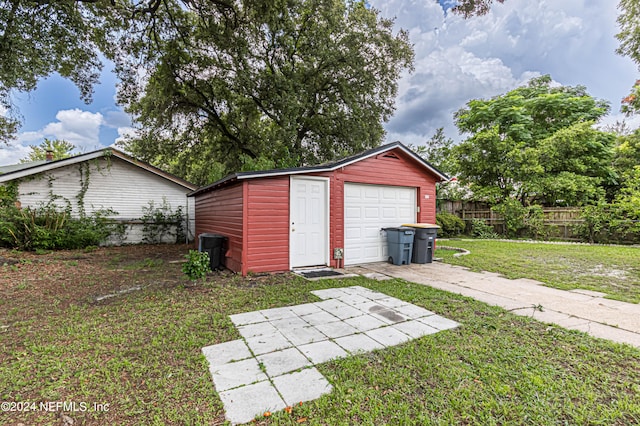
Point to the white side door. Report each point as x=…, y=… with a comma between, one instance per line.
x=309, y=222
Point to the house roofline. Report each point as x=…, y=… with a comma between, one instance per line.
x=106, y=152
x=229, y=179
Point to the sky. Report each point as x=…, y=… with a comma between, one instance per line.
x=456, y=60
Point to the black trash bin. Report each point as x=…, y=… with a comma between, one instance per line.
x=400, y=244
x=424, y=242
x=214, y=245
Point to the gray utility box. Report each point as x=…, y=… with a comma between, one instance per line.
x=214, y=245
x=400, y=244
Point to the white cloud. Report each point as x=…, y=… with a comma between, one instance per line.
x=458, y=60
x=13, y=152
x=81, y=128
x=123, y=133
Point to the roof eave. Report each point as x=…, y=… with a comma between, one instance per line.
x=227, y=180
x=41, y=168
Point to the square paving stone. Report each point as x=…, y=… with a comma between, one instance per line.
x=330, y=305
x=305, y=309
x=372, y=295
x=353, y=299
x=388, y=336
x=336, y=329
x=289, y=323
x=413, y=311
x=357, y=343
x=387, y=315
x=367, y=307
x=365, y=323
x=226, y=352
x=243, y=404
x=247, y=318
x=305, y=385
x=257, y=329
x=300, y=336
x=277, y=313
x=268, y=343
x=329, y=293
x=354, y=289
x=323, y=351
x=438, y=322
x=236, y=374
x=391, y=302
x=284, y=361
x=415, y=329
x=344, y=312
x=321, y=317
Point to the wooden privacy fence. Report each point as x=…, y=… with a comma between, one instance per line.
x=558, y=220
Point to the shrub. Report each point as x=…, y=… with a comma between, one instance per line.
x=197, y=264
x=161, y=221
x=49, y=227
x=450, y=224
x=480, y=229
x=521, y=220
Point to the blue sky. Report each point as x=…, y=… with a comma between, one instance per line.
x=456, y=60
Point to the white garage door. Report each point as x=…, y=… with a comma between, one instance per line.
x=368, y=208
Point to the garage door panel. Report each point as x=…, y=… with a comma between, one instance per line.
x=371, y=213
x=368, y=208
x=389, y=212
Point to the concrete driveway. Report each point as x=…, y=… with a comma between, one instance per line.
x=582, y=310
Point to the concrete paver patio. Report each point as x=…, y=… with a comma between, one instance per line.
x=272, y=367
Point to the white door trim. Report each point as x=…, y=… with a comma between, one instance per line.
x=324, y=259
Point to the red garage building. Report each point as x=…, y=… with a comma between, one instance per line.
x=277, y=220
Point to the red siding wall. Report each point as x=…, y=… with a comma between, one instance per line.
x=220, y=212
x=267, y=226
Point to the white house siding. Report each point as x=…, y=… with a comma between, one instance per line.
x=114, y=184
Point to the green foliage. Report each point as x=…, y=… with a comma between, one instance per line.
x=161, y=221
x=450, y=224
x=197, y=265
x=9, y=193
x=437, y=151
x=263, y=84
x=39, y=38
x=618, y=221
x=60, y=149
x=536, y=144
x=480, y=229
x=596, y=224
x=49, y=227
x=629, y=35
x=520, y=220
x=631, y=103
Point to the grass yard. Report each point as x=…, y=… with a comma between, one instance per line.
x=139, y=351
x=614, y=270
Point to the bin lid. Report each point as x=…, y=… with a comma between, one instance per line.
x=399, y=229
x=420, y=225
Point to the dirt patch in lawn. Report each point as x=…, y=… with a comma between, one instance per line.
x=34, y=284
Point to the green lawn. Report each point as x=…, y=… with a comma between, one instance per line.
x=139, y=352
x=614, y=270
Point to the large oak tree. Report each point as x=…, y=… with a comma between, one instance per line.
x=293, y=83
